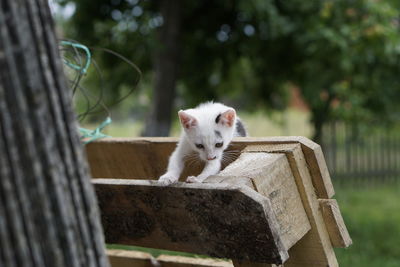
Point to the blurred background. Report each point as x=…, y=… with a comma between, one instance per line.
x=325, y=69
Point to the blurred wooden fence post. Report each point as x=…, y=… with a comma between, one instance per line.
x=355, y=154
x=48, y=211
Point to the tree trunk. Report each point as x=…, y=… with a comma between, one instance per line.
x=166, y=65
x=318, y=127
x=320, y=116
x=48, y=211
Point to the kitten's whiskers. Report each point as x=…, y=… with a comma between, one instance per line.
x=230, y=156
x=192, y=160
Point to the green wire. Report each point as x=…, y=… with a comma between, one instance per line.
x=88, y=57
x=96, y=133
x=89, y=135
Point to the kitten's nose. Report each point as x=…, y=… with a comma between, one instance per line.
x=209, y=158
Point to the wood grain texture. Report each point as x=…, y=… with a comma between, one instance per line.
x=128, y=258
x=270, y=175
x=237, y=263
x=315, y=248
x=179, y=261
x=314, y=157
x=128, y=159
x=110, y=157
x=308, y=170
x=318, y=168
x=48, y=211
x=337, y=230
x=212, y=219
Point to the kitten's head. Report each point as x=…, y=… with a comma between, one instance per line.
x=209, y=133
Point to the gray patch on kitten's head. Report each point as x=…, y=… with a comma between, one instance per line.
x=218, y=134
x=240, y=130
x=217, y=118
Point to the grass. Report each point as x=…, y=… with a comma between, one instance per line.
x=372, y=216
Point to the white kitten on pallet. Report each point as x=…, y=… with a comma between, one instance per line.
x=208, y=130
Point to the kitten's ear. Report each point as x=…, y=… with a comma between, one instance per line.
x=227, y=118
x=187, y=120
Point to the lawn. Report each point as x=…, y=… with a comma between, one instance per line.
x=372, y=216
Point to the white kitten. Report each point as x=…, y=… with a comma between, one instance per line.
x=208, y=130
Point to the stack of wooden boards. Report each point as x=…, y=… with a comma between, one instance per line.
x=271, y=205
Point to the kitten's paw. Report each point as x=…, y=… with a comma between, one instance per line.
x=193, y=179
x=167, y=180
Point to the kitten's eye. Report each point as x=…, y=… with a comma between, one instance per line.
x=219, y=144
x=199, y=146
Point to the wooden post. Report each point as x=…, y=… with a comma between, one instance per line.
x=48, y=211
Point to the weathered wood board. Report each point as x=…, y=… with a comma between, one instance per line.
x=129, y=158
x=270, y=175
x=333, y=219
x=125, y=258
x=315, y=249
x=218, y=220
x=132, y=158
x=128, y=258
x=237, y=263
x=298, y=162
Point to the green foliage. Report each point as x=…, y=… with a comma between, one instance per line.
x=344, y=55
x=352, y=52
x=225, y=46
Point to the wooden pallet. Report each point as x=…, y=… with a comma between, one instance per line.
x=272, y=205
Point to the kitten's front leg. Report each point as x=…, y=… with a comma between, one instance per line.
x=211, y=168
x=175, y=167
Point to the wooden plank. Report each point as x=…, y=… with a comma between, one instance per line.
x=128, y=258
x=315, y=248
x=318, y=169
x=129, y=158
x=271, y=176
x=125, y=258
x=237, y=263
x=314, y=157
x=179, y=261
x=337, y=230
x=316, y=243
x=218, y=220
